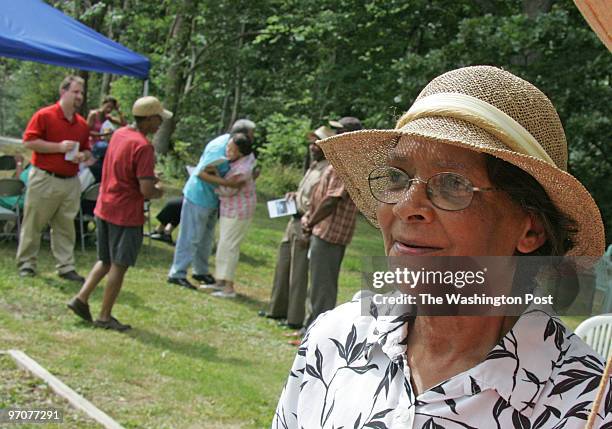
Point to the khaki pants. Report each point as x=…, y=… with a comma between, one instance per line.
x=232, y=231
x=49, y=201
x=288, y=299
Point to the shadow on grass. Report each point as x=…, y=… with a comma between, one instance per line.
x=126, y=297
x=190, y=349
x=252, y=260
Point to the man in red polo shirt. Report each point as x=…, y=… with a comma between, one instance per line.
x=128, y=178
x=59, y=139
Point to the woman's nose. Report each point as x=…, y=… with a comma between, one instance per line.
x=414, y=205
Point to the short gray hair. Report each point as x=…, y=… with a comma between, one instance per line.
x=242, y=126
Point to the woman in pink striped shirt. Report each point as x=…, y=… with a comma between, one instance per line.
x=237, y=206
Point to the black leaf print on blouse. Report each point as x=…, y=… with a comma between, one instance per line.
x=381, y=414
x=373, y=310
x=357, y=351
x=340, y=347
x=520, y=421
x=385, y=382
x=608, y=402
x=329, y=412
x=376, y=425
x=350, y=351
x=362, y=369
x=350, y=340
x=430, y=424
x=452, y=405
x=282, y=420
x=531, y=378
x=316, y=371
x=475, y=387
x=438, y=389
x=498, y=408
x=579, y=411
x=575, y=377
x=543, y=418
x=356, y=425
x=607, y=426
x=302, y=351
x=499, y=354
x=556, y=328
x=589, y=361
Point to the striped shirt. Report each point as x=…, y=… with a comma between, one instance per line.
x=239, y=202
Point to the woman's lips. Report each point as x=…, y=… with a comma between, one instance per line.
x=412, y=249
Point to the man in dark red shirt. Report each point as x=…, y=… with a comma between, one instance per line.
x=128, y=178
x=59, y=139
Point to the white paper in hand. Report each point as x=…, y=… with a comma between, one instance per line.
x=281, y=207
x=72, y=153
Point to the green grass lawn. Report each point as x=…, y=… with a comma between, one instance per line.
x=191, y=360
x=20, y=389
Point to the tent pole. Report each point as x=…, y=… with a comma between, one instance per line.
x=145, y=88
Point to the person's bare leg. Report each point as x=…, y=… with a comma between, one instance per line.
x=113, y=286
x=97, y=273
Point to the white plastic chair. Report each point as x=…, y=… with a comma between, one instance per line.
x=596, y=331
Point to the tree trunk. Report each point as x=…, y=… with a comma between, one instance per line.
x=223, y=111
x=175, y=76
x=238, y=78
x=533, y=8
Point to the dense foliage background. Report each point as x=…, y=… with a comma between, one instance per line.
x=291, y=65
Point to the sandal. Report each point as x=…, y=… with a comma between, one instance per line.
x=113, y=324
x=80, y=308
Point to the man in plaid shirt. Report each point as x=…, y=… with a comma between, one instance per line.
x=331, y=221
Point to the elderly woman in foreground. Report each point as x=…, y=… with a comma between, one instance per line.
x=476, y=167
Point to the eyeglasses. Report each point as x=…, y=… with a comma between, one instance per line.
x=446, y=191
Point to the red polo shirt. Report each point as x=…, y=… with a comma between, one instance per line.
x=129, y=157
x=50, y=124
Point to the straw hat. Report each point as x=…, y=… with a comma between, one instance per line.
x=487, y=110
x=150, y=106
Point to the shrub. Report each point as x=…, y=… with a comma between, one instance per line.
x=276, y=180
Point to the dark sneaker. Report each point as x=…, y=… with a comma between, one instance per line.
x=264, y=313
x=113, y=324
x=181, y=282
x=73, y=276
x=27, y=272
x=166, y=238
x=80, y=308
x=204, y=278
x=292, y=326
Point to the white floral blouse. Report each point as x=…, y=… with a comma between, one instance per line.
x=351, y=372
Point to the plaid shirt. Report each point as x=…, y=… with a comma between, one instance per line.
x=338, y=227
x=239, y=203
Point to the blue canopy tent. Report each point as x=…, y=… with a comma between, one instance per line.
x=32, y=30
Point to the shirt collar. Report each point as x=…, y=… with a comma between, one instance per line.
x=60, y=113
x=517, y=368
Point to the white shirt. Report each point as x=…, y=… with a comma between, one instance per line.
x=351, y=372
